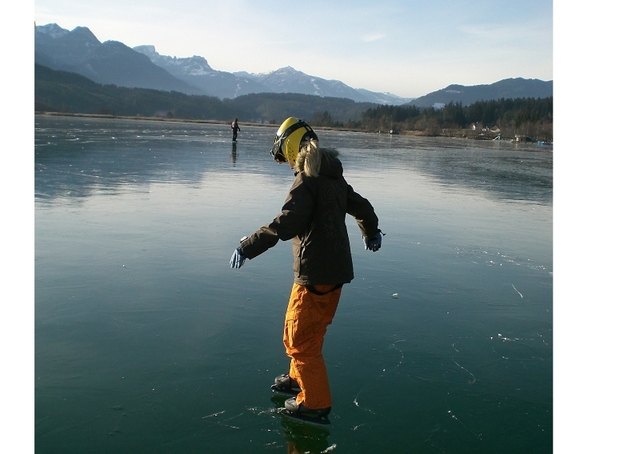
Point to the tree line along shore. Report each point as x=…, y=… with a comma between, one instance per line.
x=475, y=131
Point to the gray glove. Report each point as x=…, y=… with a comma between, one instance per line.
x=237, y=259
x=374, y=243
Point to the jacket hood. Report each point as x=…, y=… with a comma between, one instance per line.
x=314, y=161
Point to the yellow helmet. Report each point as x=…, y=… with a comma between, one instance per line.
x=290, y=135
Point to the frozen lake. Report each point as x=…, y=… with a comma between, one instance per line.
x=146, y=341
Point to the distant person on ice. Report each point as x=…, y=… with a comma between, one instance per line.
x=235, y=128
x=313, y=217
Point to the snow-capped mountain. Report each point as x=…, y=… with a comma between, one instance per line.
x=112, y=62
x=290, y=80
x=197, y=72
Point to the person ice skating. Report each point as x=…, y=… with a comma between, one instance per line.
x=313, y=217
x=235, y=128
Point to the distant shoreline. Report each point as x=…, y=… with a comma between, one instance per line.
x=454, y=134
x=184, y=120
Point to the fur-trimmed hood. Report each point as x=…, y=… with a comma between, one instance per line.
x=314, y=161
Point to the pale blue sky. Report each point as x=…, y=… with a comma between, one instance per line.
x=405, y=47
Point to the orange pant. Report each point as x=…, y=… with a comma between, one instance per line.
x=305, y=325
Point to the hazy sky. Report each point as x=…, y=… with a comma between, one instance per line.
x=405, y=47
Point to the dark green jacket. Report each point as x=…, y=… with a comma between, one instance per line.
x=313, y=216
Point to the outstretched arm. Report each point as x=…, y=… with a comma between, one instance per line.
x=362, y=210
x=295, y=215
